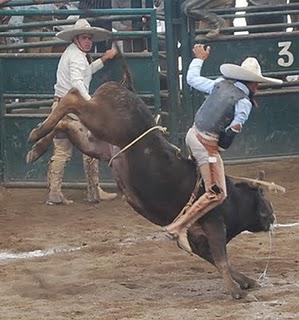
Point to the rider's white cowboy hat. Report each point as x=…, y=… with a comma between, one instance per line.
x=82, y=26
x=249, y=70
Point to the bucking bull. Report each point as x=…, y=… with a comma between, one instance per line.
x=156, y=180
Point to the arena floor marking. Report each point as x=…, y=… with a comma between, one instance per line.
x=8, y=255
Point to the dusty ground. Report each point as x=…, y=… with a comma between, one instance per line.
x=122, y=268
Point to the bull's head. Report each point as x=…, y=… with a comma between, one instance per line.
x=264, y=212
x=257, y=211
x=264, y=208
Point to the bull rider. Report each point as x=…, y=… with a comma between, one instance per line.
x=219, y=119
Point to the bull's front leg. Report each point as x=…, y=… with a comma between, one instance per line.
x=216, y=236
x=84, y=140
x=200, y=246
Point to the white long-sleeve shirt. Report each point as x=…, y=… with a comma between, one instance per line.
x=74, y=71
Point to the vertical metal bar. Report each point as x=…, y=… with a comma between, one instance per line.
x=2, y=112
x=171, y=33
x=155, y=58
x=149, y=3
x=186, y=58
x=138, y=44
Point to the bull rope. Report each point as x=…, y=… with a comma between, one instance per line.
x=263, y=277
x=160, y=128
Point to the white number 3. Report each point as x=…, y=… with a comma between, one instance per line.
x=288, y=60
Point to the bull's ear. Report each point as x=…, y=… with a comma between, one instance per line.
x=261, y=175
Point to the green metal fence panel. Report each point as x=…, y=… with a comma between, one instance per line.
x=271, y=131
x=276, y=54
x=27, y=73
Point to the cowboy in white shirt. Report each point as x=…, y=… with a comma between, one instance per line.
x=218, y=120
x=75, y=70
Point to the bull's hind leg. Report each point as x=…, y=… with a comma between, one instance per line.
x=87, y=143
x=79, y=135
x=84, y=140
x=209, y=242
x=69, y=103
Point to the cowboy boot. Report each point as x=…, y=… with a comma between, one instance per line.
x=94, y=192
x=216, y=23
x=61, y=155
x=200, y=207
x=106, y=195
x=179, y=227
x=92, y=177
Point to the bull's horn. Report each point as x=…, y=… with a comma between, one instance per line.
x=261, y=175
x=271, y=186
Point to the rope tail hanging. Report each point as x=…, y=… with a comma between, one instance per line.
x=262, y=279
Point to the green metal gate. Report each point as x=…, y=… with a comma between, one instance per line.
x=26, y=77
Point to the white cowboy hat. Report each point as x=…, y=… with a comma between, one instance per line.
x=82, y=26
x=250, y=70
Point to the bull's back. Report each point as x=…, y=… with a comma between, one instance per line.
x=124, y=115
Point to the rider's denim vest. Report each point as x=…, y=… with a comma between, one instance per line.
x=217, y=111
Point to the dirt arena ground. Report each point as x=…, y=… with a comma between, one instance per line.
x=106, y=262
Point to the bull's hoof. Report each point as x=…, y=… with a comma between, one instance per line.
x=36, y=151
x=29, y=157
x=249, y=284
x=238, y=293
x=33, y=136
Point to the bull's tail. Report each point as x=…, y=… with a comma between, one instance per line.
x=127, y=80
